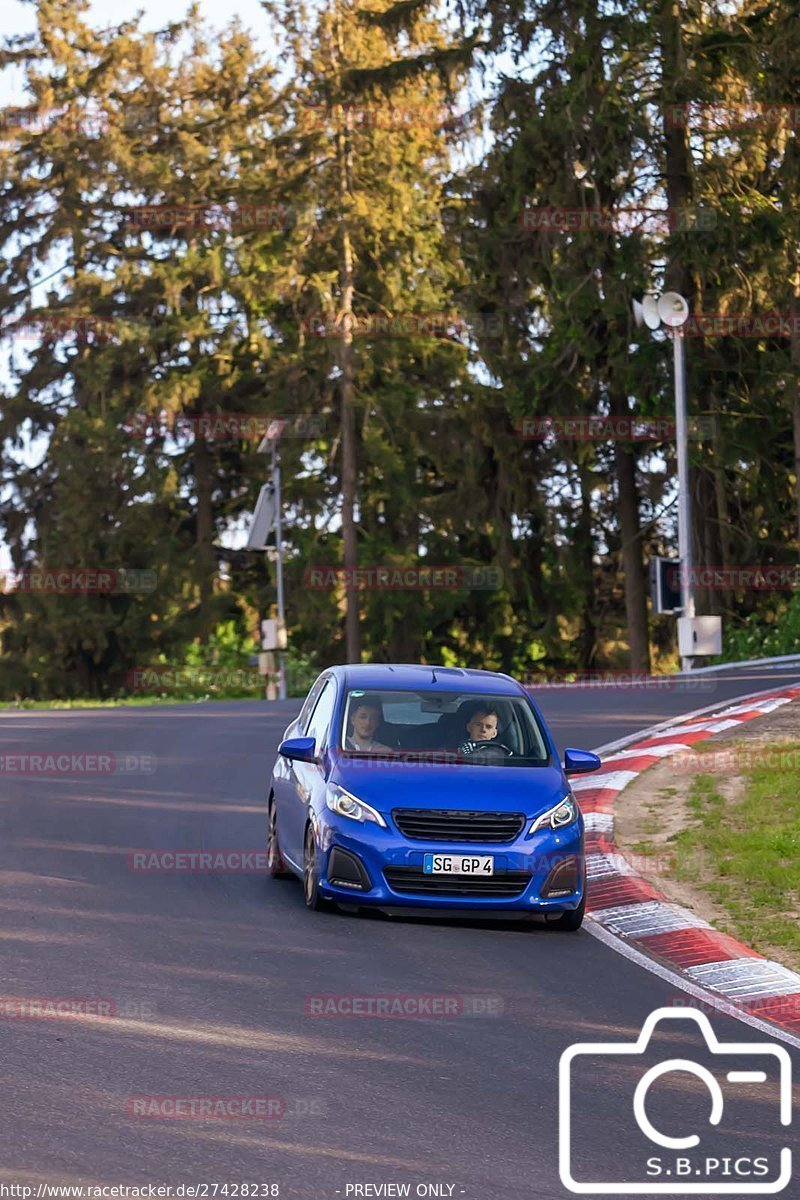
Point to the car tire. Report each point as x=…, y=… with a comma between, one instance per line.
x=571, y=920
x=311, y=893
x=276, y=865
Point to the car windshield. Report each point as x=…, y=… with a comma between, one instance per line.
x=466, y=727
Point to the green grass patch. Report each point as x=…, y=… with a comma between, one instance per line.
x=745, y=852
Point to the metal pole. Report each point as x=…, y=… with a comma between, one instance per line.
x=276, y=483
x=684, y=497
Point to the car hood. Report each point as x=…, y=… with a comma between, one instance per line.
x=384, y=785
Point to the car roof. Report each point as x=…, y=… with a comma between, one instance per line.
x=417, y=677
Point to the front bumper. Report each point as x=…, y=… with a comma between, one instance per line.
x=388, y=869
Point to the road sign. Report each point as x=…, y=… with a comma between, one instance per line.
x=665, y=585
x=263, y=526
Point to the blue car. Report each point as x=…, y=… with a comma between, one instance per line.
x=435, y=788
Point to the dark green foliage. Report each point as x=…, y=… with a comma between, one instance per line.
x=389, y=204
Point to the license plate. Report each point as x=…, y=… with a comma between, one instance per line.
x=458, y=864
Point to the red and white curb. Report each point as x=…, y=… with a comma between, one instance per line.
x=630, y=908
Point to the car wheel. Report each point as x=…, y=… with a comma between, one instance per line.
x=275, y=861
x=313, y=898
x=571, y=920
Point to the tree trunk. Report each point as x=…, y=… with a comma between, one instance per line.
x=584, y=552
x=794, y=352
x=633, y=570
x=347, y=389
x=204, y=530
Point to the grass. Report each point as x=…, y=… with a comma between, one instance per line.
x=744, y=852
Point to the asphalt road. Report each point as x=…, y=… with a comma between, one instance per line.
x=213, y=976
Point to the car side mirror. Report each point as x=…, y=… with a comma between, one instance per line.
x=580, y=762
x=301, y=749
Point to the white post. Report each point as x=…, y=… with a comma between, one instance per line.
x=684, y=496
x=276, y=483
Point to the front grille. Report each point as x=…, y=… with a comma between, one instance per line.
x=447, y=825
x=416, y=883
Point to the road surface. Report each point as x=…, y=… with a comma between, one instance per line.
x=214, y=976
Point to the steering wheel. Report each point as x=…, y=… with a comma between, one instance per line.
x=490, y=751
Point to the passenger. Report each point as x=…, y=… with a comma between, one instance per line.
x=365, y=717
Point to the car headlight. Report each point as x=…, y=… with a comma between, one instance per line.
x=563, y=814
x=344, y=804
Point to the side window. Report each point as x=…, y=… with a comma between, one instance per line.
x=310, y=701
x=321, y=717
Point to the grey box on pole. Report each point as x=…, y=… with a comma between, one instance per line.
x=263, y=519
x=699, y=635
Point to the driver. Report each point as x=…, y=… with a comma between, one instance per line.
x=482, y=728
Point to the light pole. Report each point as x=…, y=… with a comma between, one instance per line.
x=276, y=485
x=266, y=521
x=672, y=310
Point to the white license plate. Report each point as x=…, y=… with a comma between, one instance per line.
x=458, y=864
